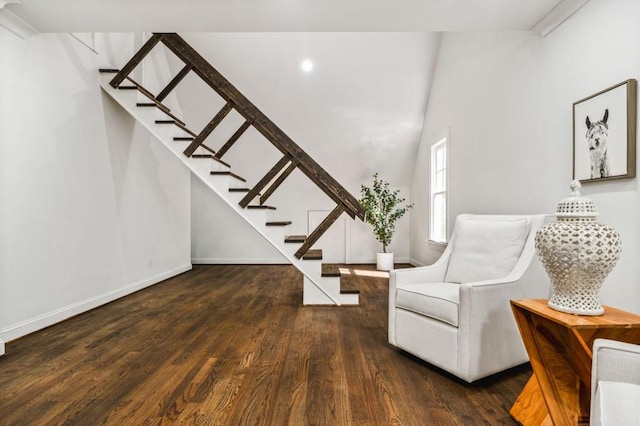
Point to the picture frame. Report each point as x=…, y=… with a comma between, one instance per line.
x=604, y=134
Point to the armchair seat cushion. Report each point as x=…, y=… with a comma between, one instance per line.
x=616, y=403
x=436, y=300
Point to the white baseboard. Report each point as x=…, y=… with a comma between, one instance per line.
x=45, y=320
x=240, y=261
x=417, y=262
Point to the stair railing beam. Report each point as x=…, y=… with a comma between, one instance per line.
x=351, y=211
x=233, y=139
x=208, y=129
x=203, y=77
x=253, y=192
x=262, y=123
x=319, y=231
x=174, y=82
x=135, y=60
x=277, y=182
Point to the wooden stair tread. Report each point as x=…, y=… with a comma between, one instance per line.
x=211, y=157
x=333, y=270
x=158, y=105
x=258, y=207
x=183, y=138
x=280, y=223
x=313, y=254
x=166, y=122
x=233, y=175
x=127, y=88
x=108, y=70
x=295, y=238
x=330, y=270
x=238, y=189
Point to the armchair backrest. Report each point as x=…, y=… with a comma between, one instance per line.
x=486, y=247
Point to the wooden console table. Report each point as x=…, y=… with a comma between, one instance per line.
x=560, y=349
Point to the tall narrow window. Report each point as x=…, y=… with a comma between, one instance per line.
x=438, y=219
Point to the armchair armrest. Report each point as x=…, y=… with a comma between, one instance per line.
x=615, y=361
x=615, y=383
x=424, y=274
x=488, y=302
x=399, y=277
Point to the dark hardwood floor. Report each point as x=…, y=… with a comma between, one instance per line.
x=232, y=345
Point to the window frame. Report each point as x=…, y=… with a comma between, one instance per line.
x=439, y=190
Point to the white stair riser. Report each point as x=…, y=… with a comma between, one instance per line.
x=275, y=233
x=236, y=183
x=349, y=299
x=312, y=296
x=235, y=197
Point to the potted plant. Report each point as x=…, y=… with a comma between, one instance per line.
x=381, y=206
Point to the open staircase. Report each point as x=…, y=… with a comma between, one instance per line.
x=205, y=162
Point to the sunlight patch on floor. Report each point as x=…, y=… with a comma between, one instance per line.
x=370, y=273
x=364, y=272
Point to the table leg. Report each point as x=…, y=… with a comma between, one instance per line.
x=530, y=409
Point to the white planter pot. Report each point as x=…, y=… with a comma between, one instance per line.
x=384, y=261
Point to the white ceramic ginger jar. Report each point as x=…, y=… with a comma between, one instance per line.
x=578, y=253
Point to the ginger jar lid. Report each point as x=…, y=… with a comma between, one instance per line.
x=576, y=206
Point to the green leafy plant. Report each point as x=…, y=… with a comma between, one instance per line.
x=381, y=209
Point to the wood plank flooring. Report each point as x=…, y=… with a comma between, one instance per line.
x=232, y=345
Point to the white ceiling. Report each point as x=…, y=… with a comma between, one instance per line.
x=278, y=15
x=362, y=105
x=343, y=116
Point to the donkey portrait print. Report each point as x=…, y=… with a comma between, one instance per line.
x=597, y=140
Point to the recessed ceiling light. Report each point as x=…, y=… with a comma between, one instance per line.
x=307, y=65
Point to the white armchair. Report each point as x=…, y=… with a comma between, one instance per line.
x=455, y=314
x=615, y=384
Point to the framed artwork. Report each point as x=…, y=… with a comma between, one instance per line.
x=604, y=134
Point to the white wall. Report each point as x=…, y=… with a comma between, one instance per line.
x=92, y=207
x=495, y=148
x=360, y=111
x=594, y=50
x=506, y=99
